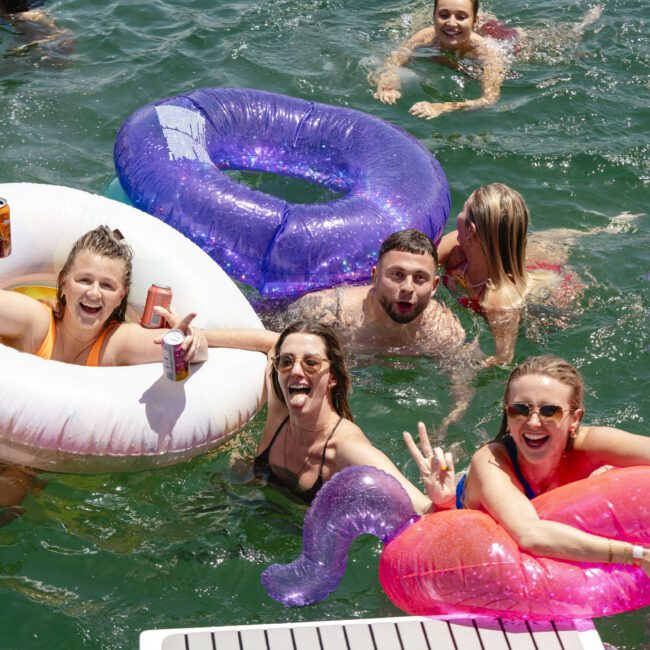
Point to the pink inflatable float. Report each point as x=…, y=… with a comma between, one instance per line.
x=462, y=562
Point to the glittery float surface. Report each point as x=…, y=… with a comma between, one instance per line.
x=171, y=158
x=462, y=562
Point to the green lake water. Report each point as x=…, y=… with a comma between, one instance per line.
x=97, y=559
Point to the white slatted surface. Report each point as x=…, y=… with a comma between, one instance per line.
x=408, y=633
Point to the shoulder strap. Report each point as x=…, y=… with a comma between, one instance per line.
x=511, y=448
x=322, y=458
x=47, y=346
x=460, y=491
x=93, y=355
x=275, y=435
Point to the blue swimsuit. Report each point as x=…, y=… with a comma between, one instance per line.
x=511, y=448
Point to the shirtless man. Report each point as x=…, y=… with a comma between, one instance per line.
x=396, y=313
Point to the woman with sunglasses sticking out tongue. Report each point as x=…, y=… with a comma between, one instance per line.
x=309, y=433
x=542, y=446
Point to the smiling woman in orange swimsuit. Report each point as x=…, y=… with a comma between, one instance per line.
x=485, y=260
x=86, y=327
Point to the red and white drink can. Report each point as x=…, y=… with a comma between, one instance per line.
x=5, y=229
x=157, y=296
x=175, y=363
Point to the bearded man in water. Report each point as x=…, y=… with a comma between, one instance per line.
x=397, y=313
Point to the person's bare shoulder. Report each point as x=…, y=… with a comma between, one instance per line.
x=318, y=305
x=442, y=328
x=338, y=307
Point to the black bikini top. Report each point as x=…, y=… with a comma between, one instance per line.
x=262, y=468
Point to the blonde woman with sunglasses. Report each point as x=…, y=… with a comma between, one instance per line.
x=540, y=446
x=310, y=434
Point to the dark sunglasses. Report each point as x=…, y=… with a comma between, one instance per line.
x=310, y=363
x=546, y=412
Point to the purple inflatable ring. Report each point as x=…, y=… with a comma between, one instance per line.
x=170, y=157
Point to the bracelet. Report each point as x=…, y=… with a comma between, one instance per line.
x=637, y=554
x=626, y=547
x=610, y=557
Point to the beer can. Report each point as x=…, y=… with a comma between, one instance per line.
x=158, y=295
x=175, y=364
x=5, y=229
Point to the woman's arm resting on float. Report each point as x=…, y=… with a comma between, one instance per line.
x=357, y=450
x=132, y=344
x=494, y=72
x=22, y=319
x=436, y=469
x=387, y=79
x=610, y=446
x=256, y=340
x=501, y=497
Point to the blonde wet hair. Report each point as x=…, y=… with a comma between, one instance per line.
x=501, y=219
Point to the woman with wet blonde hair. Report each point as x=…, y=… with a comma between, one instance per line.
x=485, y=259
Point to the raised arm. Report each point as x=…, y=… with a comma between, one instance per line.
x=357, y=450
x=387, y=79
x=492, y=482
x=436, y=469
x=23, y=321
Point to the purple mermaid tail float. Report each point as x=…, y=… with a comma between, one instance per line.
x=355, y=501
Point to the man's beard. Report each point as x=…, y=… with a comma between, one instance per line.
x=394, y=314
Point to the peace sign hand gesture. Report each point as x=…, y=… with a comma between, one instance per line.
x=436, y=468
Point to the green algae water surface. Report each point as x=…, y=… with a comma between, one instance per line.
x=97, y=559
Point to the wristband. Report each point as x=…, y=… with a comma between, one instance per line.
x=637, y=554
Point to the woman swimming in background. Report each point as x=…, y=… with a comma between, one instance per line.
x=458, y=33
x=486, y=260
x=309, y=434
x=86, y=327
x=541, y=445
x=35, y=26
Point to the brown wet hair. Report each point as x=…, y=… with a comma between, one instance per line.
x=334, y=353
x=409, y=241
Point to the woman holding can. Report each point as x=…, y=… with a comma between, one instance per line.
x=86, y=326
x=310, y=434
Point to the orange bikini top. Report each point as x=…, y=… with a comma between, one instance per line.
x=47, y=347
